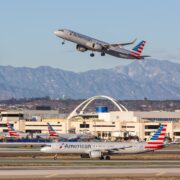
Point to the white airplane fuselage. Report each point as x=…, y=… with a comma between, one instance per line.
x=68, y=136
x=87, y=147
x=85, y=43
x=105, y=149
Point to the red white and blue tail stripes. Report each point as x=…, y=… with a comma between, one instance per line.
x=157, y=140
x=11, y=130
x=51, y=131
x=137, y=50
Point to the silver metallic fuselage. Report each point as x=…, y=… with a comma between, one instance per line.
x=84, y=40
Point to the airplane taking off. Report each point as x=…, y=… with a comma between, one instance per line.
x=85, y=43
x=103, y=150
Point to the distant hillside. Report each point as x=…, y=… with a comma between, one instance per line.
x=152, y=79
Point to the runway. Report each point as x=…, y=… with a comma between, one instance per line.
x=20, y=164
x=40, y=160
x=95, y=171
x=36, y=151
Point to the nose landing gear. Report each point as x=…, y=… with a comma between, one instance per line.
x=55, y=157
x=92, y=54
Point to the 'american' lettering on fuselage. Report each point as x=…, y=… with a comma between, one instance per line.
x=75, y=146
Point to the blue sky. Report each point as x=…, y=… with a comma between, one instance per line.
x=27, y=39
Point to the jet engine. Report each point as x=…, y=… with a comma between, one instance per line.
x=95, y=154
x=81, y=48
x=94, y=46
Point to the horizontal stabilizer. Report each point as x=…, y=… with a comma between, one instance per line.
x=145, y=56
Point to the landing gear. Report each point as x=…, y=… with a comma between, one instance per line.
x=101, y=158
x=63, y=42
x=55, y=157
x=103, y=54
x=105, y=157
x=92, y=54
x=108, y=158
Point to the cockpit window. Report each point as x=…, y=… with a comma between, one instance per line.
x=62, y=30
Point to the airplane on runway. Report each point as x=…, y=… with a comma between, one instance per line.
x=13, y=133
x=85, y=43
x=103, y=150
x=20, y=134
x=52, y=132
x=67, y=136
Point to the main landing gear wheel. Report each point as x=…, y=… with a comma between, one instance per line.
x=55, y=157
x=108, y=158
x=105, y=157
x=101, y=158
x=103, y=54
x=63, y=43
x=92, y=54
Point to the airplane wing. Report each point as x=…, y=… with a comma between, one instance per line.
x=110, y=150
x=113, y=150
x=117, y=149
x=107, y=46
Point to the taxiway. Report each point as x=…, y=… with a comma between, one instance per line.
x=95, y=171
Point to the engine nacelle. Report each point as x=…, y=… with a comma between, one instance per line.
x=95, y=154
x=81, y=48
x=94, y=46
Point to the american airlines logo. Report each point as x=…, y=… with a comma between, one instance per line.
x=61, y=146
x=76, y=146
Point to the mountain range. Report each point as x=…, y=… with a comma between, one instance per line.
x=152, y=79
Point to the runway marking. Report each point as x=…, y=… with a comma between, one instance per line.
x=160, y=173
x=51, y=175
x=49, y=172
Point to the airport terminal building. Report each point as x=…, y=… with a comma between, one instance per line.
x=102, y=123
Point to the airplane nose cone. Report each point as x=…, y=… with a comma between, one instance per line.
x=43, y=149
x=56, y=33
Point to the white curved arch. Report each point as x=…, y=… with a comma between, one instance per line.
x=104, y=97
x=90, y=100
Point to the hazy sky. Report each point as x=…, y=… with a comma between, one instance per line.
x=27, y=39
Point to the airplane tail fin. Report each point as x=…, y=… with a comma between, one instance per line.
x=51, y=131
x=139, y=48
x=11, y=130
x=157, y=139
